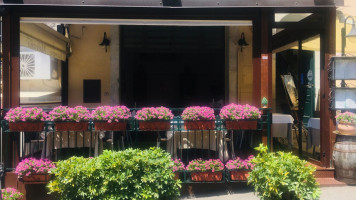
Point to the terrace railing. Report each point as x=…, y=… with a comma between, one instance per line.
x=217, y=143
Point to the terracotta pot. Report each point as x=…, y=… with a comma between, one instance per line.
x=199, y=125
x=113, y=126
x=71, y=126
x=163, y=125
x=26, y=126
x=37, y=178
x=241, y=125
x=176, y=175
x=239, y=175
x=346, y=129
x=206, y=176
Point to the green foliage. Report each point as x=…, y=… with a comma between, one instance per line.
x=264, y=101
x=282, y=176
x=130, y=174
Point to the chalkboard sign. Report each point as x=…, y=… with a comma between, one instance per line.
x=344, y=98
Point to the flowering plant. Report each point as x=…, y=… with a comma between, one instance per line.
x=11, y=194
x=30, y=166
x=178, y=165
x=205, y=165
x=346, y=117
x=20, y=114
x=111, y=113
x=239, y=163
x=154, y=113
x=198, y=113
x=64, y=113
x=235, y=112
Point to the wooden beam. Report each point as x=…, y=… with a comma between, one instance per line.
x=11, y=60
x=327, y=116
x=182, y=3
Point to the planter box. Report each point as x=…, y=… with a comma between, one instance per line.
x=26, y=126
x=239, y=175
x=176, y=175
x=113, y=126
x=154, y=125
x=206, y=176
x=199, y=125
x=36, y=178
x=71, y=126
x=241, y=125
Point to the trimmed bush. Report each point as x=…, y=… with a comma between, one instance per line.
x=129, y=174
x=282, y=176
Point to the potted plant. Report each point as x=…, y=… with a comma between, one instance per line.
x=70, y=119
x=178, y=167
x=11, y=194
x=154, y=118
x=239, y=168
x=240, y=117
x=34, y=170
x=206, y=170
x=264, y=102
x=198, y=118
x=346, y=123
x=26, y=119
x=111, y=118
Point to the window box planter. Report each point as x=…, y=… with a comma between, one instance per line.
x=26, y=126
x=206, y=176
x=199, y=125
x=154, y=125
x=71, y=126
x=113, y=126
x=241, y=124
x=36, y=178
x=239, y=175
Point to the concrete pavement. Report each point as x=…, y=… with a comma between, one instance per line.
x=241, y=191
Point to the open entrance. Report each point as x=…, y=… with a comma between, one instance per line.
x=175, y=66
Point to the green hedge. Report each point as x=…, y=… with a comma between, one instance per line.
x=130, y=174
x=282, y=176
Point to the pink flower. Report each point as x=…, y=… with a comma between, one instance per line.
x=154, y=113
x=194, y=113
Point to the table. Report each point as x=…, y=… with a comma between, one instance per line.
x=212, y=140
x=313, y=138
x=282, y=127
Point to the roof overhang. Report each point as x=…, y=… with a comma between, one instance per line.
x=179, y=3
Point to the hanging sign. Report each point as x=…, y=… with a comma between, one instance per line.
x=310, y=75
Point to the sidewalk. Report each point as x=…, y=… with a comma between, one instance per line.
x=243, y=192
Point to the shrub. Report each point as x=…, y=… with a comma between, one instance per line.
x=212, y=165
x=194, y=113
x=64, y=113
x=30, y=166
x=11, y=194
x=20, y=114
x=235, y=112
x=154, y=113
x=239, y=163
x=111, y=113
x=128, y=174
x=282, y=176
x=346, y=117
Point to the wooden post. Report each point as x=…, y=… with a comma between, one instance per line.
x=327, y=116
x=11, y=60
x=262, y=60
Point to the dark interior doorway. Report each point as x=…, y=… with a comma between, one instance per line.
x=173, y=66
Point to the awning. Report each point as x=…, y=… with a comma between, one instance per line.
x=42, y=38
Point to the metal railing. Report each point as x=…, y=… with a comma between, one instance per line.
x=186, y=145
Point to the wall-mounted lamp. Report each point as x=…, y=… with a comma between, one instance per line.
x=242, y=42
x=343, y=34
x=105, y=42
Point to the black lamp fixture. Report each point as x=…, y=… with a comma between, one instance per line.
x=343, y=34
x=105, y=42
x=242, y=42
